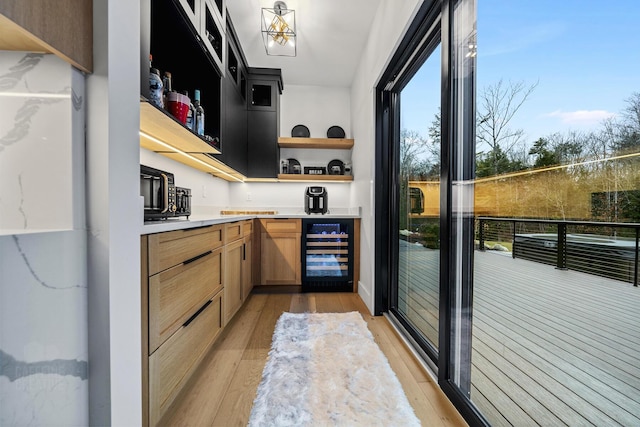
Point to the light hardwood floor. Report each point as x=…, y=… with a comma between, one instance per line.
x=221, y=391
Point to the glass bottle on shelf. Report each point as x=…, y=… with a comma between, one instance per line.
x=191, y=114
x=199, y=114
x=166, y=86
x=155, y=86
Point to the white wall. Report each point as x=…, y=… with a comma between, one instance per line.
x=207, y=191
x=114, y=220
x=390, y=24
x=286, y=195
x=316, y=107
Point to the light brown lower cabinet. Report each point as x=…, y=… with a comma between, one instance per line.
x=247, y=266
x=233, y=297
x=193, y=282
x=177, y=293
x=172, y=363
x=280, y=251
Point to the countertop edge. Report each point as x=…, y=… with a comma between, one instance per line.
x=152, y=227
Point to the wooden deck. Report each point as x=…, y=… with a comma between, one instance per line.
x=550, y=347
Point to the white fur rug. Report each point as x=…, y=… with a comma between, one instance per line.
x=326, y=369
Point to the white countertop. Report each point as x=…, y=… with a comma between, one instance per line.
x=202, y=218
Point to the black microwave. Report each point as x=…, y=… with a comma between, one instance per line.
x=160, y=195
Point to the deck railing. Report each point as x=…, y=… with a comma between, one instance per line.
x=601, y=248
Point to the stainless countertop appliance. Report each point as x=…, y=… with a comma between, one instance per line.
x=158, y=189
x=315, y=200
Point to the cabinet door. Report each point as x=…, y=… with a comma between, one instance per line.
x=212, y=32
x=280, y=259
x=172, y=364
x=247, y=282
x=234, y=139
x=175, y=247
x=262, y=144
x=191, y=10
x=263, y=95
x=233, y=278
x=177, y=293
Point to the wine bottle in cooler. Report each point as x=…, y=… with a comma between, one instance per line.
x=199, y=114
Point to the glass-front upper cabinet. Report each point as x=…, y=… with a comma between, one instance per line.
x=212, y=30
x=191, y=9
x=207, y=18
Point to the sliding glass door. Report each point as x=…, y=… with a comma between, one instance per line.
x=425, y=200
x=418, y=292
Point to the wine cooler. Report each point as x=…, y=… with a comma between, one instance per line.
x=327, y=255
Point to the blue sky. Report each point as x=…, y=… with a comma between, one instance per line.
x=584, y=54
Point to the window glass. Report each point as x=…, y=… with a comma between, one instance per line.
x=557, y=188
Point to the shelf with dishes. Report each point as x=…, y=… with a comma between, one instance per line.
x=314, y=177
x=305, y=151
x=317, y=143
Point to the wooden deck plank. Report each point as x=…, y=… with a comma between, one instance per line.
x=575, y=335
x=579, y=321
x=575, y=370
x=600, y=346
x=510, y=382
x=546, y=391
x=576, y=387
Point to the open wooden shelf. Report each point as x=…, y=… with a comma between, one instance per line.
x=309, y=177
x=164, y=127
x=322, y=143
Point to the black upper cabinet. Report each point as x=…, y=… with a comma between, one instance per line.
x=263, y=104
x=195, y=41
x=175, y=45
x=234, y=115
x=265, y=87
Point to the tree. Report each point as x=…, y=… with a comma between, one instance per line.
x=497, y=106
x=544, y=156
x=629, y=128
x=495, y=162
x=413, y=163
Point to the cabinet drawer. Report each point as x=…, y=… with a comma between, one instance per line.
x=172, y=364
x=174, y=247
x=175, y=294
x=274, y=225
x=247, y=227
x=233, y=231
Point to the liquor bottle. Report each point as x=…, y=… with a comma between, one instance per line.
x=191, y=114
x=166, y=85
x=199, y=114
x=155, y=86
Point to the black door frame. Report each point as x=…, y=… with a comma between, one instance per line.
x=433, y=18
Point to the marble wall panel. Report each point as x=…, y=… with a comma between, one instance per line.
x=43, y=329
x=39, y=94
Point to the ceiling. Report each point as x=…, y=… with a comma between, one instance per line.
x=331, y=36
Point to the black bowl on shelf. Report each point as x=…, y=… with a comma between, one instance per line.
x=335, y=132
x=300, y=131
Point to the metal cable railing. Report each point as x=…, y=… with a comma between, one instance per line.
x=600, y=248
